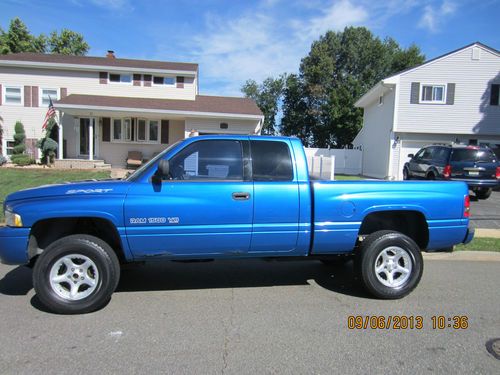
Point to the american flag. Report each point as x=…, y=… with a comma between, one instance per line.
x=51, y=113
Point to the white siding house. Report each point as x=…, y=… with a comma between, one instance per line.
x=108, y=106
x=452, y=98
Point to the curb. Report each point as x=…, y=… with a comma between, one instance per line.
x=479, y=256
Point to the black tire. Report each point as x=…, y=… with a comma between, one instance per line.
x=431, y=176
x=406, y=174
x=369, y=254
x=104, y=272
x=483, y=193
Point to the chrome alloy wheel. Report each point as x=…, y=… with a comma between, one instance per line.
x=393, y=266
x=74, y=277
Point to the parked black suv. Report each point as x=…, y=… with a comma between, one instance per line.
x=477, y=166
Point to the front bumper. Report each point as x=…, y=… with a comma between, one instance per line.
x=469, y=235
x=14, y=245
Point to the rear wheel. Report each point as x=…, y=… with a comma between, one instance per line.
x=406, y=174
x=76, y=274
x=483, y=193
x=390, y=264
x=431, y=176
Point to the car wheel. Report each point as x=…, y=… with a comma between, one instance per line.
x=431, y=176
x=483, y=193
x=76, y=274
x=390, y=264
x=406, y=174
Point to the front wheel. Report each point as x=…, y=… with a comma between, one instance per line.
x=76, y=274
x=390, y=264
x=406, y=174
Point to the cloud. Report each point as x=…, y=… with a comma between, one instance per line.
x=120, y=5
x=339, y=15
x=433, y=17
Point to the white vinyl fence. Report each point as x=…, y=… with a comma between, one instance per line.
x=324, y=163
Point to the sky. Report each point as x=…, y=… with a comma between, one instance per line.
x=234, y=41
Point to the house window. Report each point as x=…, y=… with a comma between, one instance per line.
x=46, y=94
x=432, y=94
x=153, y=130
x=141, y=130
x=120, y=78
x=9, y=147
x=13, y=95
x=117, y=129
x=169, y=81
x=495, y=94
x=127, y=129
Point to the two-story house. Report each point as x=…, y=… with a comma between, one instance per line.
x=109, y=106
x=452, y=98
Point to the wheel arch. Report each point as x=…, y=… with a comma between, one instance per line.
x=46, y=231
x=409, y=222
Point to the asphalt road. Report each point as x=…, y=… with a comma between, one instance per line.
x=486, y=213
x=253, y=317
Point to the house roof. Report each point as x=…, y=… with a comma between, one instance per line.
x=41, y=59
x=203, y=104
x=376, y=90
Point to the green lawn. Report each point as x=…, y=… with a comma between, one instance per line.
x=13, y=179
x=344, y=177
x=481, y=244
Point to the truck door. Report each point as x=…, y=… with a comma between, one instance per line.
x=204, y=207
x=276, y=198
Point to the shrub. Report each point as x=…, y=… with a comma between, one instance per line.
x=19, y=138
x=49, y=148
x=3, y=160
x=22, y=159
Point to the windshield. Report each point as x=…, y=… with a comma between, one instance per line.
x=474, y=155
x=137, y=173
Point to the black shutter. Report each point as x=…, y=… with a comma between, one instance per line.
x=164, y=132
x=106, y=129
x=495, y=94
x=132, y=129
x=103, y=78
x=415, y=91
x=450, y=94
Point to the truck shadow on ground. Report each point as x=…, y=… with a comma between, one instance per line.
x=170, y=276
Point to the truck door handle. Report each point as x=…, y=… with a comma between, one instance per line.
x=241, y=196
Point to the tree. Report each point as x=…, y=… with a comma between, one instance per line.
x=67, y=43
x=267, y=96
x=19, y=138
x=19, y=39
x=339, y=69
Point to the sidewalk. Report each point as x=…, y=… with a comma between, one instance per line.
x=491, y=233
x=483, y=256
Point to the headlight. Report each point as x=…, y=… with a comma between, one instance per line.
x=12, y=219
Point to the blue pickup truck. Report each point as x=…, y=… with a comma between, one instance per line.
x=221, y=197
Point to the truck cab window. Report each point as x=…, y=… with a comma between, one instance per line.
x=208, y=160
x=271, y=161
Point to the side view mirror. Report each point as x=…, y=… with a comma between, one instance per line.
x=411, y=156
x=162, y=171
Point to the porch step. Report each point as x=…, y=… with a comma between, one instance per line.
x=81, y=164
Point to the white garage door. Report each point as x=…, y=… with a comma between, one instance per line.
x=408, y=147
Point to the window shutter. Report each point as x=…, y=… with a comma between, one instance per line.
x=132, y=129
x=64, y=92
x=1, y=94
x=164, y=131
x=450, y=94
x=103, y=78
x=27, y=96
x=415, y=91
x=137, y=79
x=495, y=94
x=106, y=129
x=180, y=82
x=147, y=80
x=34, y=96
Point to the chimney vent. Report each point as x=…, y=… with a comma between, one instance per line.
x=110, y=54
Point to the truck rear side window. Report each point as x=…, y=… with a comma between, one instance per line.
x=271, y=161
x=208, y=160
x=473, y=155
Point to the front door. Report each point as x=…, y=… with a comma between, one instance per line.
x=203, y=208
x=85, y=131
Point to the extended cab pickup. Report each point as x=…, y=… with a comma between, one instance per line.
x=226, y=197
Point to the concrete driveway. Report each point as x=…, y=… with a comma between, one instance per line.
x=486, y=213
x=254, y=317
